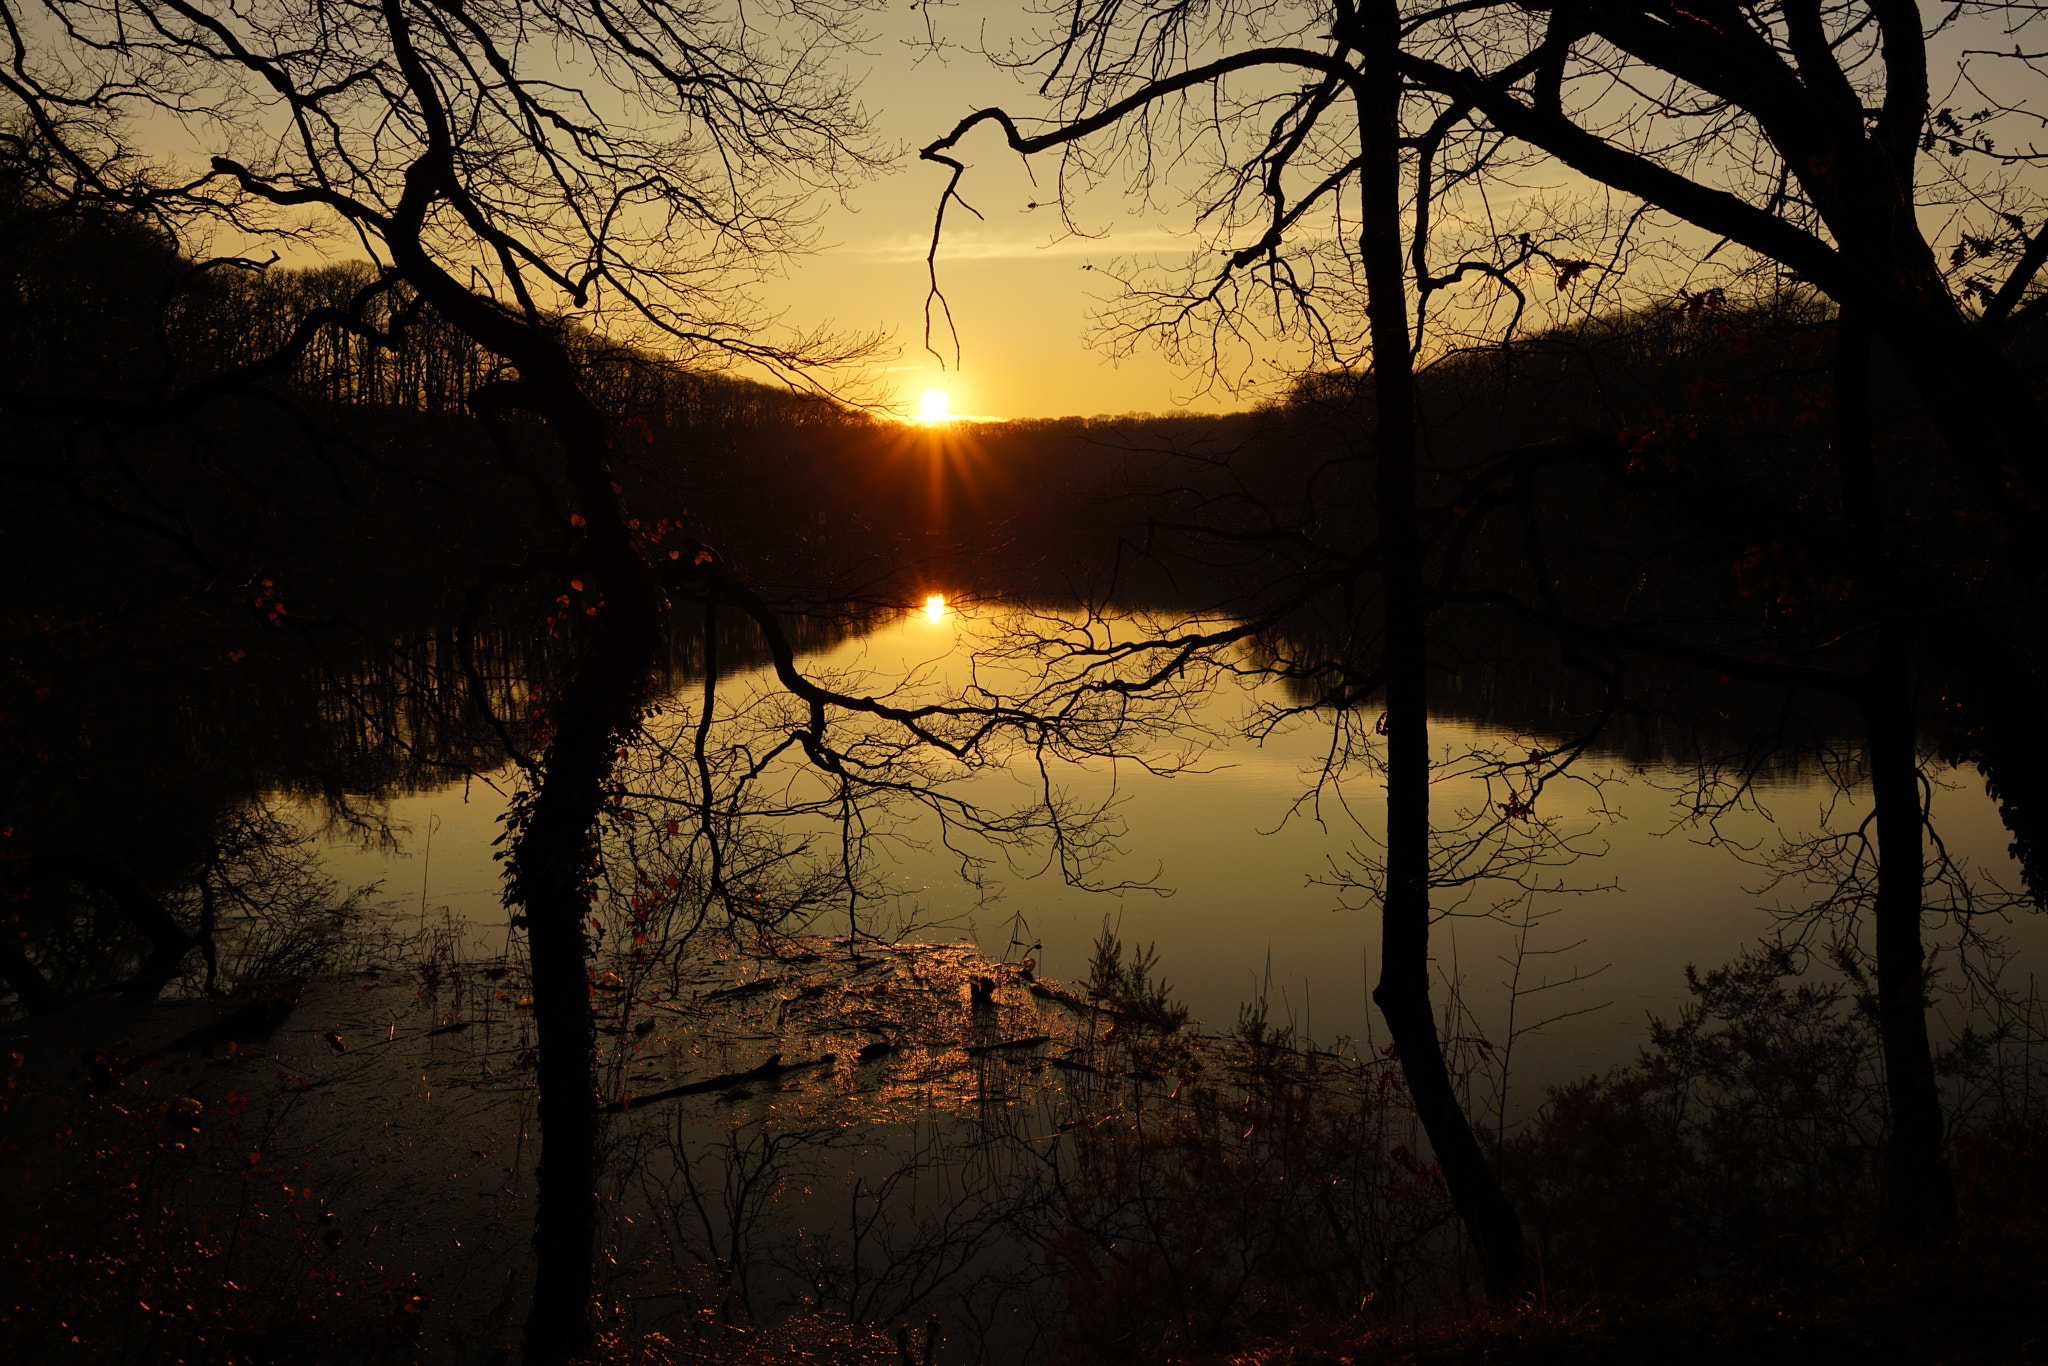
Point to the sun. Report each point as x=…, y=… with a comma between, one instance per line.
x=935, y=406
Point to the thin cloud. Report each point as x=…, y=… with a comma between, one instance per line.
x=980, y=247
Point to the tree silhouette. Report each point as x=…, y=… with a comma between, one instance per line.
x=1806, y=133
x=1338, y=126
x=1798, y=132
x=634, y=164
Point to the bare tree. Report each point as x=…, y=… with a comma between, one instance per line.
x=1821, y=138
x=1802, y=132
x=633, y=163
x=1322, y=202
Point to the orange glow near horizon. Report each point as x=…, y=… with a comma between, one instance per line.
x=935, y=406
x=935, y=606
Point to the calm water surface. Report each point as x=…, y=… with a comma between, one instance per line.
x=1240, y=900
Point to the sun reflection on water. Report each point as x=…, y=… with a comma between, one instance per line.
x=935, y=606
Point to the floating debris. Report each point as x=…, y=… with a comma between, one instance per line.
x=978, y=1050
x=727, y=1081
x=747, y=988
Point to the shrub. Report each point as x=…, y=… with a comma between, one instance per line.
x=1745, y=1142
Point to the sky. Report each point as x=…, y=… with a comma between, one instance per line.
x=1022, y=292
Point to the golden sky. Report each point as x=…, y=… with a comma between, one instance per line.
x=1022, y=292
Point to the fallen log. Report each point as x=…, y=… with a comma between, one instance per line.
x=725, y=1081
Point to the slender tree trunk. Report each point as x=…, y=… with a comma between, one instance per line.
x=1919, y=1192
x=553, y=876
x=553, y=858
x=1971, y=392
x=551, y=861
x=1403, y=993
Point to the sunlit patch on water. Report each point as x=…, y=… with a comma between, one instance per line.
x=817, y=1031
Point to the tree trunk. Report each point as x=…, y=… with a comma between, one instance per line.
x=553, y=854
x=1919, y=1192
x=551, y=860
x=1970, y=390
x=552, y=863
x=1403, y=993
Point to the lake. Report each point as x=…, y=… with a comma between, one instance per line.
x=1250, y=879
